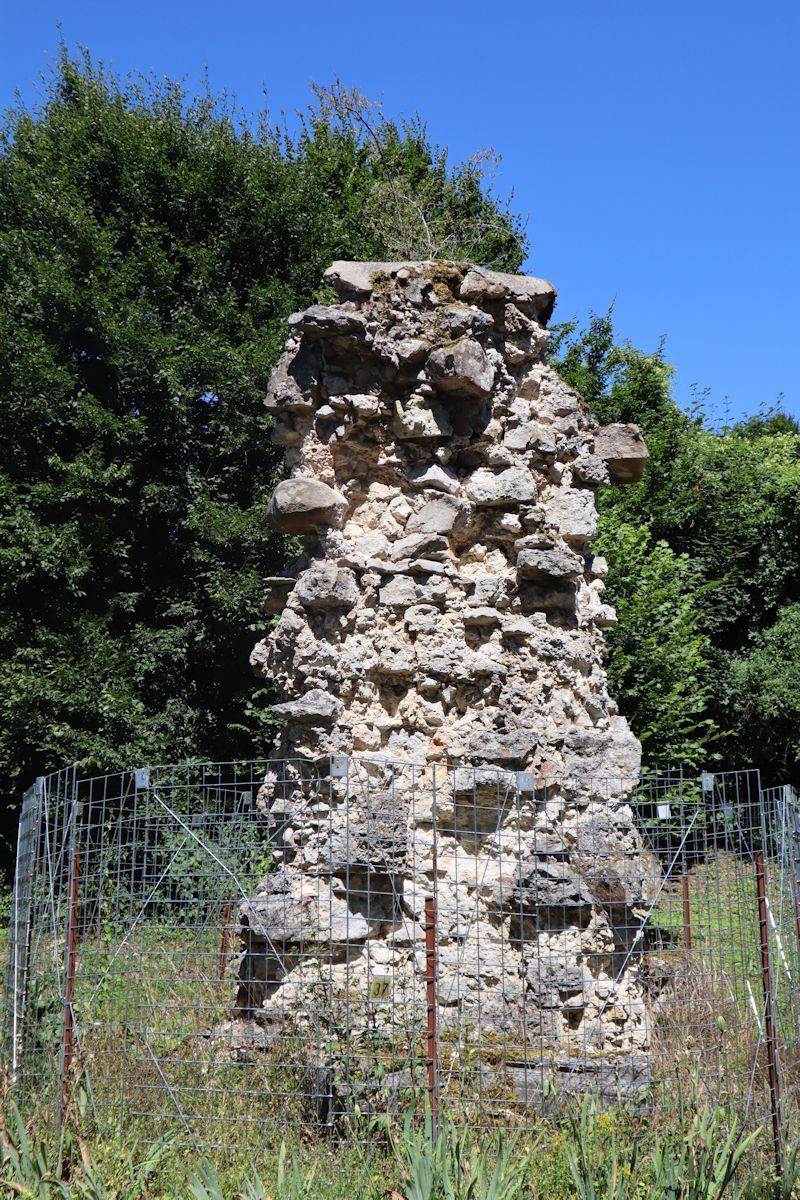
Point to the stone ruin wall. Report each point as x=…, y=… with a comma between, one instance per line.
x=443, y=626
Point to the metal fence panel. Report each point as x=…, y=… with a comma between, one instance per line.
x=487, y=941
x=16, y=978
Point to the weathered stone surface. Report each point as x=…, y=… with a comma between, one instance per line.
x=605, y=616
x=400, y=592
x=623, y=450
x=513, y=746
x=550, y=564
x=374, y=840
x=294, y=382
x=427, y=566
x=437, y=516
x=417, y=545
x=286, y=921
x=480, y=284
x=314, y=705
x=547, y=884
x=324, y=585
x=355, y=280
x=462, y=367
x=300, y=504
x=445, y=719
x=513, y=486
x=515, y=627
x=278, y=919
x=469, y=781
x=419, y=418
x=591, y=470
x=575, y=511
x=434, y=477
x=528, y=435
x=410, y=351
x=482, y=616
x=323, y=321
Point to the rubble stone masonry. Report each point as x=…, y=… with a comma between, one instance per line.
x=441, y=634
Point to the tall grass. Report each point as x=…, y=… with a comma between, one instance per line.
x=150, y=1013
x=590, y=1155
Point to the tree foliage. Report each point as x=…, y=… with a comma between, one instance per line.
x=657, y=656
x=715, y=523
x=152, y=245
x=763, y=693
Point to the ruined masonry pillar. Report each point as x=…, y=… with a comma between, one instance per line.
x=446, y=612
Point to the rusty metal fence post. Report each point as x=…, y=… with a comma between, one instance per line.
x=224, y=944
x=687, y=910
x=430, y=988
x=769, y=1015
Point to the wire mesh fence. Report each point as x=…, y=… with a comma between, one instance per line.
x=238, y=950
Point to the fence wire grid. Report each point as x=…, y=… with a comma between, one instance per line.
x=237, y=950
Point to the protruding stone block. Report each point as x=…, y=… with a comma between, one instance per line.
x=282, y=922
x=558, y=565
x=482, y=616
x=400, y=592
x=623, y=450
x=575, y=511
x=300, y=505
x=355, y=280
x=327, y=321
x=432, y=476
x=315, y=705
x=605, y=617
x=294, y=382
x=418, y=545
x=480, y=285
x=437, y=516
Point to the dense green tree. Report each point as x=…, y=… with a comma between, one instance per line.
x=152, y=245
x=763, y=693
x=725, y=503
x=657, y=656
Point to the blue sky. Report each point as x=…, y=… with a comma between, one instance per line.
x=654, y=147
